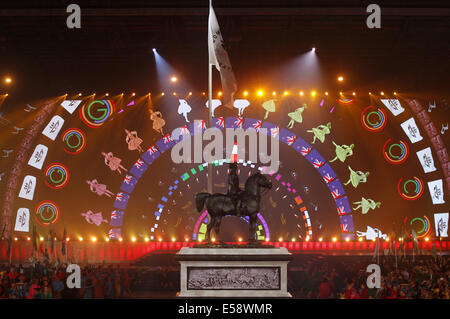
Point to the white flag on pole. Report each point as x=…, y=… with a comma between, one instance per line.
x=411, y=129
x=22, y=220
x=393, y=105
x=28, y=186
x=218, y=57
x=38, y=157
x=71, y=105
x=436, y=191
x=426, y=160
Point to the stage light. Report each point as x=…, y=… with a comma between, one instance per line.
x=120, y=239
x=400, y=239
x=190, y=93
x=301, y=93
x=173, y=239
x=240, y=239
x=146, y=239
x=285, y=92
x=107, y=239
x=340, y=93
x=354, y=93
x=326, y=93
x=260, y=93
x=67, y=239
x=267, y=239
x=245, y=93
x=173, y=79
x=220, y=93
x=334, y=239
x=313, y=93
x=360, y=239
x=186, y=239
x=162, y=93
x=293, y=239
x=133, y=94
x=274, y=93
x=28, y=238
x=427, y=239
x=79, y=94
x=387, y=239
x=93, y=239
x=340, y=78
x=382, y=93
x=280, y=239
x=121, y=93
x=93, y=94
x=199, y=240
x=370, y=93
x=15, y=238
x=6, y=94
x=133, y=239
x=395, y=93
x=307, y=238
x=160, y=239
x=373, y=239
x=203, y=93
x=213, y=239
x=80, y=238
x=154, y=50
x=313, y=49
x=107, y=94
x=347, y=239
x=174, y=93
x=41, y=238
x=8, y=80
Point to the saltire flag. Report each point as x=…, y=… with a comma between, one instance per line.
x=411, y=130
x=63, y=244
x=34, y=238
x=8, y=249
x=218, y=57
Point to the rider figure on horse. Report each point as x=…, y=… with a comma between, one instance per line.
x=233, y=187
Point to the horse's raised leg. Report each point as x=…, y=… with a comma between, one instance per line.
x=252, y=227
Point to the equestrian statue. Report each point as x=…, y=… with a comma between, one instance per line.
x=236, y=202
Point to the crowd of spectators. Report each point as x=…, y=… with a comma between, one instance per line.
x=49, y=281
x=309, y=277
x=346, y=278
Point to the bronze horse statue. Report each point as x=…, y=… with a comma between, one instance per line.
x=242, y=203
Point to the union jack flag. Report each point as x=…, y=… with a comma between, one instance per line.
x=239, y=122
x=328, y=178
x=167, y=138
x=344, y=228
x=128, y=179
x=336, y=194
x=290, y=140
x=274, y=131
x=119, y=197
x=317, y=163
x=115, y=215
x=152, y=150
x=305, y=150
x=220, y=122
x=257, y=125
x=184, y=130
x=139, y=163
x=341, y=210
x=202, y=124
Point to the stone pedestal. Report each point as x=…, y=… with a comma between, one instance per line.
x=234, y=272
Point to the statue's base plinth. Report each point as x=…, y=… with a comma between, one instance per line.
x=233, y=272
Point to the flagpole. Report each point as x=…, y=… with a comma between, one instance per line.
x=210, y=107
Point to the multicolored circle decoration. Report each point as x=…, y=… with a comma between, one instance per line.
x=395, y=153
x=410, y=189
x=421, y=226
x=373, y=119
x=74, y=140
x=56, y=175
x=97, y=112
x=47, y=212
